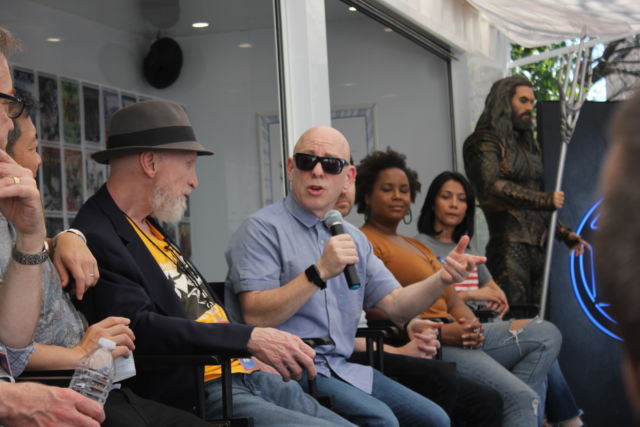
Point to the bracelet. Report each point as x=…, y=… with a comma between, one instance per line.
x=30, y=259
x=74, y=231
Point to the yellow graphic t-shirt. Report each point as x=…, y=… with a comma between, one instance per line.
x=192, y=291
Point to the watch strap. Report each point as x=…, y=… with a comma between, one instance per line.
x=30, y=259
x=313, y=275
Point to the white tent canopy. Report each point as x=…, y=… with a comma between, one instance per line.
x=541, y=22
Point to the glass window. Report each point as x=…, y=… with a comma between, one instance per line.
x=228, y=83
x=388, y=91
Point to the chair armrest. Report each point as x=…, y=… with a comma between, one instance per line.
x=524, y=311
x=371, y=333
x=314, y=342
x=60, y=378
x=375, y=356
x=324, y=400
x=198, y=362
x=187, y=359
x=486, y=316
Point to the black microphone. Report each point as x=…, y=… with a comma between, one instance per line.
x=333, y=221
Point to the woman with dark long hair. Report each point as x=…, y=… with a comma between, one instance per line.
x=447, y=214
x=511, y=357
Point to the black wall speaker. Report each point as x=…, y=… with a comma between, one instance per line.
x=163, y=63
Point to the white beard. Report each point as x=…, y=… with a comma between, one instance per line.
x=167, y=208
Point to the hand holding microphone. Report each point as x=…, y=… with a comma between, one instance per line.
x=340, y=253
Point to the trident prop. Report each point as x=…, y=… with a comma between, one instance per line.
x=575, y=69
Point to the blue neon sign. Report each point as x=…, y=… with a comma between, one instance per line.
x=583, y=278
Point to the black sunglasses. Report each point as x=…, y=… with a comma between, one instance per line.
x=14, y=106
x=332, y=165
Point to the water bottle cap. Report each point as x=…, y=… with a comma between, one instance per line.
x=106, y=343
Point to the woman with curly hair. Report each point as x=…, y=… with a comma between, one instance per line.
x=511, y=357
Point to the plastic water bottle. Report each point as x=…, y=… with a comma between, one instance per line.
x=94, y=374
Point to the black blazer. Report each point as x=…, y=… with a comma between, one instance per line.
x=133, y=285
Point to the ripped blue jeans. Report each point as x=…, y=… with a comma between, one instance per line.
x=513, y=363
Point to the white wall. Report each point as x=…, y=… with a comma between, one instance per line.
x=224, y=88
x=89, y=51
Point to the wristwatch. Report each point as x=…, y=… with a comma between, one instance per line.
x=30, y=259
x=314, y=276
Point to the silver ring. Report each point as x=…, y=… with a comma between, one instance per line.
x=92, y=275
x=16, y=180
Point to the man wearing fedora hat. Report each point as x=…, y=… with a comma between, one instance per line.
x=152, y=152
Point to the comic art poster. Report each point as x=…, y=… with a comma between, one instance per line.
x=110, y=104
x=24, y=79
x=73, y=175
x=96, y=175
x=91, y=101
x=49, y=122
x=70, y=111
x=51, y=178
x=128, y=99
x=54, y=224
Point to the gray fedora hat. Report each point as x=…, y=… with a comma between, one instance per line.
x=149, y=126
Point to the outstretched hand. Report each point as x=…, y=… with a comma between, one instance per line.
x=577, y=244
x=458, y=264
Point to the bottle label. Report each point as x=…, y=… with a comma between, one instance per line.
x=125, y=368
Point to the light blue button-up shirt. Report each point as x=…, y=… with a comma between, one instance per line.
x=273, y=247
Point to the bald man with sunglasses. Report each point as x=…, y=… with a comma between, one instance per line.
x=285, y=271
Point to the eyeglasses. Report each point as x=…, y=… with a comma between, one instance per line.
x=332, y=165
x=12, y=105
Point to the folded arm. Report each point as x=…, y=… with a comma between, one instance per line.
x=21, y=285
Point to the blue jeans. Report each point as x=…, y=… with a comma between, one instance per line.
x=514, y=364
x=270, y=401
x=390, y=403
x=561, y=406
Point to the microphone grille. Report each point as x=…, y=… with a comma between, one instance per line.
x=332, y=218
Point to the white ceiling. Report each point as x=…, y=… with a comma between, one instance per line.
x=547, y=21
x=136, y=16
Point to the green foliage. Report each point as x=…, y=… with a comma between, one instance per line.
x=542, y=74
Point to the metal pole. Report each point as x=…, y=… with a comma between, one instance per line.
x=551, y=234
x=577, y=70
